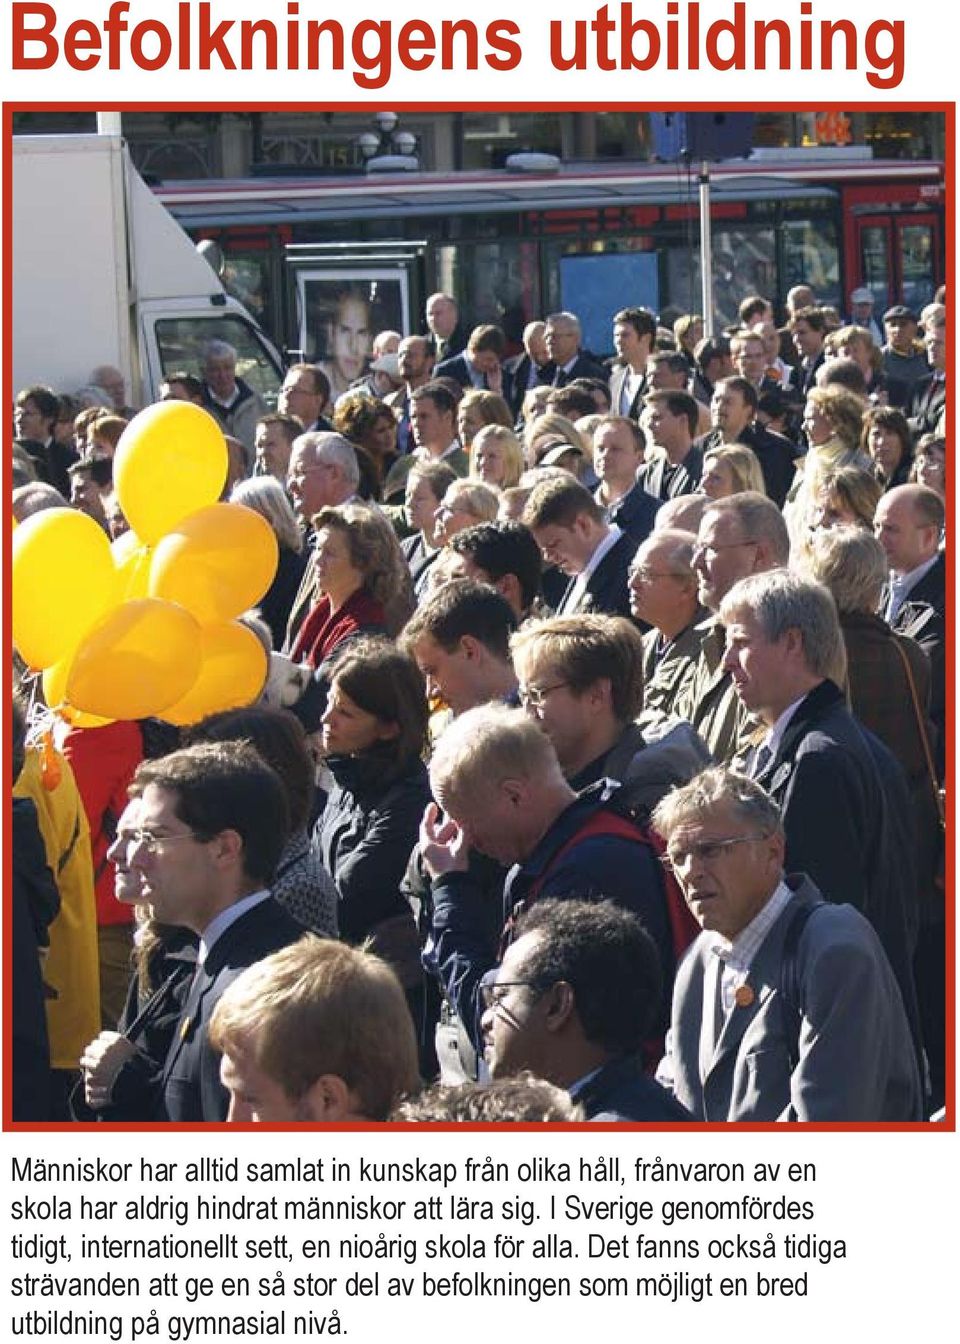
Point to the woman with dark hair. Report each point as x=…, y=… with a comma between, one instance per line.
x=302, y=886
x=371, y=427
x=373, y=733
x=362, y=580
x=887, y=440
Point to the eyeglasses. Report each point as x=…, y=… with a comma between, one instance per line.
x=706, y=851
x=151, y=841
x=493, y=992
x=704, y=548
x=535, y=696
x=646, y=575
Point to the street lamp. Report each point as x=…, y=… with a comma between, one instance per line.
x=388, y=150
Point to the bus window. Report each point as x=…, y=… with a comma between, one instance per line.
x=812, y=257
x=917, y=252
x=875, y=263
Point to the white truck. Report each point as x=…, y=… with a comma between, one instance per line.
x=103, y=274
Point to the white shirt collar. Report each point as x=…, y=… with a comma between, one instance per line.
x=775, y=736
x=220, y=923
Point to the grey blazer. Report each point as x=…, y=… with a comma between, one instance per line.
x=856, y=1058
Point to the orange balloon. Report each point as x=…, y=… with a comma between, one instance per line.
x=216, y=563
x=132, y=561
x=55, y=692
x=170, y=461
x=63, y=581
x=137, y=660
x=233, y=670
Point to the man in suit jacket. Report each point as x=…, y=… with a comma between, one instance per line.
x=572, y=1001
x=733, y=412
x=843, y=797
x=530, y=369
x=563, y=337
x=808, y=330
x=479, y=366
x=447, y=333
x=928, y=395
x=573, y=534
x=674, y=466
x=212, y=824
x=634, y=334
x=786, y=1007
x=908, y=524
x=618, y=445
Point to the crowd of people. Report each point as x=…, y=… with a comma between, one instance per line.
x=598, y=773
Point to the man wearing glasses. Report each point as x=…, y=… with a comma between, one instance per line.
x=209, y=832
x=786, y=1007
x=575, y=996
x=740, y=535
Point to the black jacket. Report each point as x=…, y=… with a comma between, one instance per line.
x=607, y=587
x=849, y=822
x=366, y=835
x=621, y=1091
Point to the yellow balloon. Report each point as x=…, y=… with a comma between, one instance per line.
x=171, y=460
x=54, y=692
x=216, y=563
x=140, y=658
x=63, y=581
x=233, y=671
x=132, y=561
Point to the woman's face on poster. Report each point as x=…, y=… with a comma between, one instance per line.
x=350, y=338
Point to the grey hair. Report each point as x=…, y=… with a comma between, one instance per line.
x=217, y=349
x=759, y=520
x=566, y=319
x=852, y=564
x=335, y=451
x=677, y=547
x=780, y=601
x=716, y=787
x=267, y=497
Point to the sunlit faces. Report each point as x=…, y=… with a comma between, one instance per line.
x=616, y=456
x=421, y=505
x=816, y=426
x=414, y=358
x=886, y=448
x=29, y=423
x=721, y=557
x=729, y=411
x=348, y=730
x=831, y=510
x=806, y=341
x=336, y=574
x=757, y=665
x=631, y=347
x=906, y=541
x=665, y=429
x=127, y=881
x=273, y=448
x=726, y=869
x=931, y=463
x=255, y=1096
x=452, y=676
x=563, y=341
x=174, y=866
x=564, y=715
x=442, y=316
x=493, y=817
x=433, y=428
x=749, y=359
x=220, y=374
x=656, y=593
x=569, y=548
x=935, y=344
x=470, y=420
x=453, y=515
x=311, y=484
x=299, y=397
x=717, y=480
x=488, y=460
x=512, y=1026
